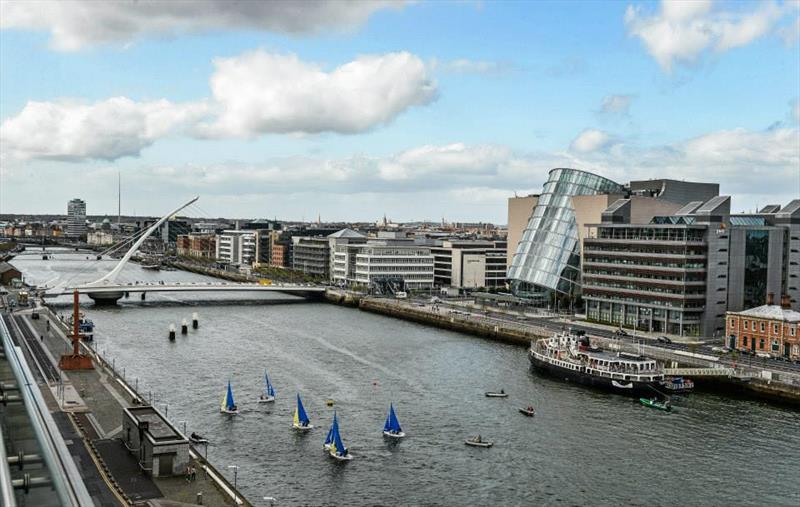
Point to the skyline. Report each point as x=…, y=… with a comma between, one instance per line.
x=419, y=111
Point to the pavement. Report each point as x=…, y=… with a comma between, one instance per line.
x=102, y=399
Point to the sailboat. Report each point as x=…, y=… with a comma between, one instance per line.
x=392, y=427
x=329, y=437
x=337, y=448
x=228, y=406
x=301, y=421
x=269, y=392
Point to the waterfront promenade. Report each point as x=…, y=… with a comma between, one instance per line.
x=88, y=406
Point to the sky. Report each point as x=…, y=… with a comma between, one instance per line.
x=352, y=110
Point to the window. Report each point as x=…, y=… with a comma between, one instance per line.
x=791, y=331
x=775, y=329
x=775, y=346
x=761, y=343
x=763, y=327
x=733, y=322
x=745, y=341
x=745, y=324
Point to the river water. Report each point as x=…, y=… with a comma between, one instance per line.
x=582, y=447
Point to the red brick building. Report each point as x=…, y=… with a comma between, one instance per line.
x=772, y=329
x=280, y=255
x=197, y=245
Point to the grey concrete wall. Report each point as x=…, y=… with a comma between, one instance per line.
x=736, y=270
x=716, y=281
x=775, y=264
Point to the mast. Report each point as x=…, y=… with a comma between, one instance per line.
x=119, y=197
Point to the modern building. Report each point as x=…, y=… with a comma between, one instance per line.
x=236, y=247
x=469, y=264
x=771, y=329
x=312, y=255
x=76, y=218
x=201, y=246
x=99, y=238
x=384, y=264
x=520, y=210
x=680, y=273
x=546, y=259
x=344, y=246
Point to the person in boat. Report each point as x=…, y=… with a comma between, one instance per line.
x=478, y=439
x=502, y=391
x=262, y=397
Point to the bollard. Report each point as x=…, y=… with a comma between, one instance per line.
x=195, y=321
x=172, y=332
x=184, y=327
x=199, y=500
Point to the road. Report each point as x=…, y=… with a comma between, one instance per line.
x=551, y=323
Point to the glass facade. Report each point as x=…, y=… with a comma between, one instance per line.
x=548, y=255
x=756, y=251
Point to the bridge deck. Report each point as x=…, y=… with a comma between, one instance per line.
x=700, y=372
x=189, y=287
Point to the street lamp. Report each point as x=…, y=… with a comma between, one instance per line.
x=235, y=491
x=184, y=427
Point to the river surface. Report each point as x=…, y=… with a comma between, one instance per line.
x=582, y=448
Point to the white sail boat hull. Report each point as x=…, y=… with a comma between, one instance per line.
x=266, y=399
x=394, y=435
x=300, y=427
x=229, y=412
x=340, y=457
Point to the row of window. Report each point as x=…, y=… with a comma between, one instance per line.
x=763, y=327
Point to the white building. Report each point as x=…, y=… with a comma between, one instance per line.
x=469, y=263
x=237, y=247
x=76, y=218
x=401, y=264
x=100, y=238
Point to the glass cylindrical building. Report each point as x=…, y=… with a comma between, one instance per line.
x=548, y=255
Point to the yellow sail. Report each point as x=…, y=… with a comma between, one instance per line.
x=222, y=406
x=296, y=418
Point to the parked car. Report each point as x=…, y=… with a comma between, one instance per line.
x=621, y=332
x=663, y=339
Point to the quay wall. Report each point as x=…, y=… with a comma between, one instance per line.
x=508, y=332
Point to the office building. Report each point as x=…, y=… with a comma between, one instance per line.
x=469, y=264
x=76, y=218
x=383, y=264
x=680, y=273
x=199, y=246
x=236, y=247
x=547, y=256
x=312, y=255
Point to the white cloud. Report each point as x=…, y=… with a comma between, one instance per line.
x=590, y=140
x=616, y=104
x=252, y=94
x=259, y=92
x=75, y=24
x=682, y=31
x=110, y=129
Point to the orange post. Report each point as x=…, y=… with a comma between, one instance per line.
x=76, y=361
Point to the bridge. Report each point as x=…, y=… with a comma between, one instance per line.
x=305, y=290
x=107, y=290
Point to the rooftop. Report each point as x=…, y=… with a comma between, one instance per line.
x=771, y=312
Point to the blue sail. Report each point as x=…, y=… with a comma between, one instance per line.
x=301, y=412
x=392, y=424
x=334, y=427
x=229, y=404
x=270, y=390
x=338, y=446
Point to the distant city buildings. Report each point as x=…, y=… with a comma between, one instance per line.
x=469, y=264
x=236, y=247
x=197, y=245
x=76, y=218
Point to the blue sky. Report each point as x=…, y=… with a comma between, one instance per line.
x=438, y=109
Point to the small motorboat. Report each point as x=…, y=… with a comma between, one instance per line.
x=478, y=442
x=528, y=411
x=197, y=439
x=658, y=405
x=493, y=394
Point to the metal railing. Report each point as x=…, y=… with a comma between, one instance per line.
x=64, y=477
